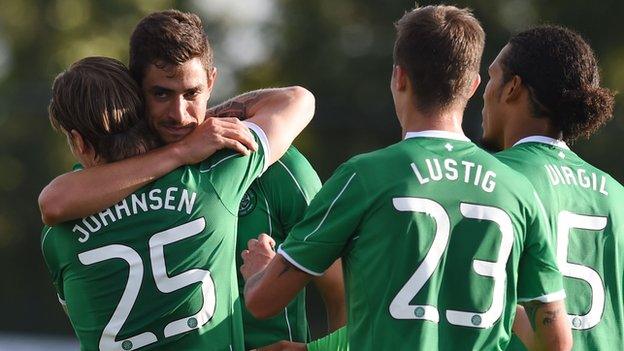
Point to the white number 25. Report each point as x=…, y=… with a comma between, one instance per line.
x=164, y=283
x=400, y=307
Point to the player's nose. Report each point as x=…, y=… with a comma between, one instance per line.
x=178, y=111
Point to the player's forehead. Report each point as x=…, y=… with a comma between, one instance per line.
x=188, y=75
x=495, y=66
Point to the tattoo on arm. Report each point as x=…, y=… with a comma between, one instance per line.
x=240, y=105
x=287, y=267
x=252, y=281
x=550, y=317
x=230, y=108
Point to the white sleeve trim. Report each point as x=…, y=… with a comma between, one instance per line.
x=295, y=263
x=263, y=140
x=61, y=301
x=556, y=296
x=217, y=163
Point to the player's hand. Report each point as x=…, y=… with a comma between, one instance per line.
x=284, y=346
x=216, y=134
x=258, y=255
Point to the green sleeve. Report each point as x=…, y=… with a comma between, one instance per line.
x=291, y=184
x=538, y=277
x=336, y=341
x=231, y=173
x=329, y=223
x=52, y=262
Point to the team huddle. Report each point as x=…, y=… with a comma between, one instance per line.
x=188, y=227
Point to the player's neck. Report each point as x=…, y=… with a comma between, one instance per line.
x=416, y=121
x=524, y=127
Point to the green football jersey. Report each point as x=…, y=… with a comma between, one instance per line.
x=336, y=341
x=584, y=208
x=274, y=203
x=157, y=270
x=439, y=240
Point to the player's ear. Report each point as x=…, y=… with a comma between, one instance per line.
x=212, y=77
x=82, y=149
x=474, y=84
x=513, y=89
x=399, y=78
x=77, y=142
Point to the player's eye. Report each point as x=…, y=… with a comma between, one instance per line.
x=160, y=94
x=191, y=95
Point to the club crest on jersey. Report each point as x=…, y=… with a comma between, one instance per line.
x=248, y=203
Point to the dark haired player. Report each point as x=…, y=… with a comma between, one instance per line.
x=439, y=239
x=544, y=90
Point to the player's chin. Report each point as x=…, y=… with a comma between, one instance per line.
x=171, y=136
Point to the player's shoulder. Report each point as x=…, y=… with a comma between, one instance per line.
x=45, y=232
x=57, y=243
x=293, y=164
x=526, y=155
x=216, y=159
x=55, y=234
x=510, y=183
x=372, y=160
x=291, y=171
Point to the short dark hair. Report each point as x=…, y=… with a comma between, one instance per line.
x=168, y=38
x=97, y=97
x=440, y=47
x=561, y=73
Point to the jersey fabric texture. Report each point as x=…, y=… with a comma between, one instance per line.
x=274, y=203
x=157, y=270
x=336, y=341
x=439, y=240
x=584, y=208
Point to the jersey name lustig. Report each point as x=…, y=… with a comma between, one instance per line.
x=450, y=169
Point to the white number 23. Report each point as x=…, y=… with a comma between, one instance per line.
x=400, y=307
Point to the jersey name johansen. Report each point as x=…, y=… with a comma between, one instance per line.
x=170, y=199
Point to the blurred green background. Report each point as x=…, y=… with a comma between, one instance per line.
x=339, y=49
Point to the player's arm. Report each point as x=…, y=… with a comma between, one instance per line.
x=540, y=286
x=311, y=247
x=552, y=329
x=268, y=272
x=281, y=113
x=331, y=287
x=51, y=260
x=79, y=194
x=522, y=328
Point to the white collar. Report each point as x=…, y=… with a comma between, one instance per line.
x=443, y=134
x=544, y=140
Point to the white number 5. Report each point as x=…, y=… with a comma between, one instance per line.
x=565, y=222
